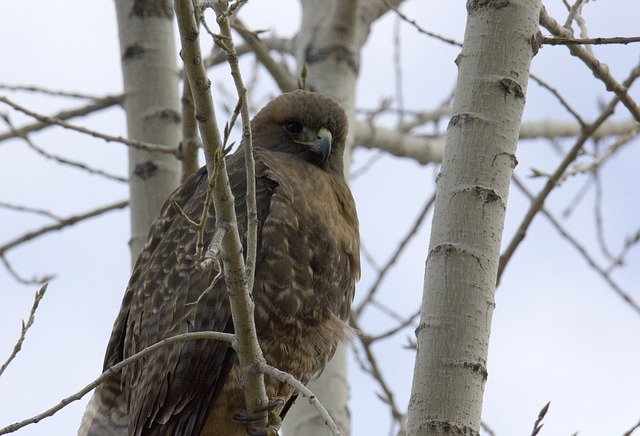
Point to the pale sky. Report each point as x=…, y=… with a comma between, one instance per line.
x=559, y=333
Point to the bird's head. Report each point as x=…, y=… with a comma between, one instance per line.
x=308, y=125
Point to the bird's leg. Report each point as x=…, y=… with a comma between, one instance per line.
x=273, y=419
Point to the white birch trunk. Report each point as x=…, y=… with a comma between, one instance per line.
x=152, y=106
x=461, y=267
x=329, y=44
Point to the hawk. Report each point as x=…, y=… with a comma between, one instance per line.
x=306, y=268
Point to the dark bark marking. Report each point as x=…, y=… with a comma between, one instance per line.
x=460, y=119
x=166, y=115
x=341, y=53
x=145, y=170
x=449, y=428
x=513, y=161
x=474, y=5
x=134, y=51
x=477, y=368
x=152, y=8
x=510, y=86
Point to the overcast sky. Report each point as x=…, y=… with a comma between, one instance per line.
x=559, y=333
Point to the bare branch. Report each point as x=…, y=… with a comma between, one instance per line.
x=599, y=69
x=25, y=327
x=302, y=390
x=596, y=41
x=374, y=370
x=61, y=160
x=109, y=372
x=285, y=81
x=4, y=248
x=419, y=28
x=538, y=202
x=22, y=280
x=632, y=429
x=27, y=209
x=51, y=92
x=537, y=426
x=109, y=138
x=581, y=249
x=190, y=140
x=561, y=99
x=87, y=109
x=247, y=349
x=247, y=143
x=396, y=255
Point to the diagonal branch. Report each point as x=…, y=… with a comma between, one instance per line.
x=109, y=138
x=109, y=372
x=599, y=69
x=538, y=202
x=25, y=327
x=60, y=225
x=581, y=249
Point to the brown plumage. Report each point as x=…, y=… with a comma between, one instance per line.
x=307, y=266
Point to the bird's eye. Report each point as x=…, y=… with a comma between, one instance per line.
x=293, y=127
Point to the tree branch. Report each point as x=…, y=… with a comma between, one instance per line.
x=599, y=69
x=25, y=327
x=538, y=202
x=109, y=372
x=109, y=138
x=247, y=349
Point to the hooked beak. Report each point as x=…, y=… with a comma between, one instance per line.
x=319, y=142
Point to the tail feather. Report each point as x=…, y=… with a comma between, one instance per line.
x=106, y=414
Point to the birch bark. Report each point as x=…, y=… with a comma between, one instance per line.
x=462, y=262
x=152, y=106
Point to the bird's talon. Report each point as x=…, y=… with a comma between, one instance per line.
x=273, y=404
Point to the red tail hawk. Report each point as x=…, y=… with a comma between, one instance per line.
x=307, y=266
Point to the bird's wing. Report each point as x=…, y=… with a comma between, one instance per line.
x=173, y=390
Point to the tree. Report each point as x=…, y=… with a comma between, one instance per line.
x=411, y=130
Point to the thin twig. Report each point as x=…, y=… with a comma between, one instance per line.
x=109, y=138
x=600, y=70
x=561, y=99
x=60, y=160
x=285, y=81
x=392, y=331
x=596, y=41
x=190, y=140
x=574, y=10
x=581, y=249
x=302, y=390
x=628, y=244
x=242, y=306
x=632, y=429
x=284, y=45
x=4, y=248
x=109, y=372
x=396, y=254
x=247, y=143
x=539, y=200
x=419, y=28
x=537, y=426
x=27, y=209
x=373, y=369
x=487, y=429
x=25, y=327
x=87, y=109
x=22, y=280
x=46, y=91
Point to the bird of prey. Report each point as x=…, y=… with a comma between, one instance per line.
x=306, y=268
